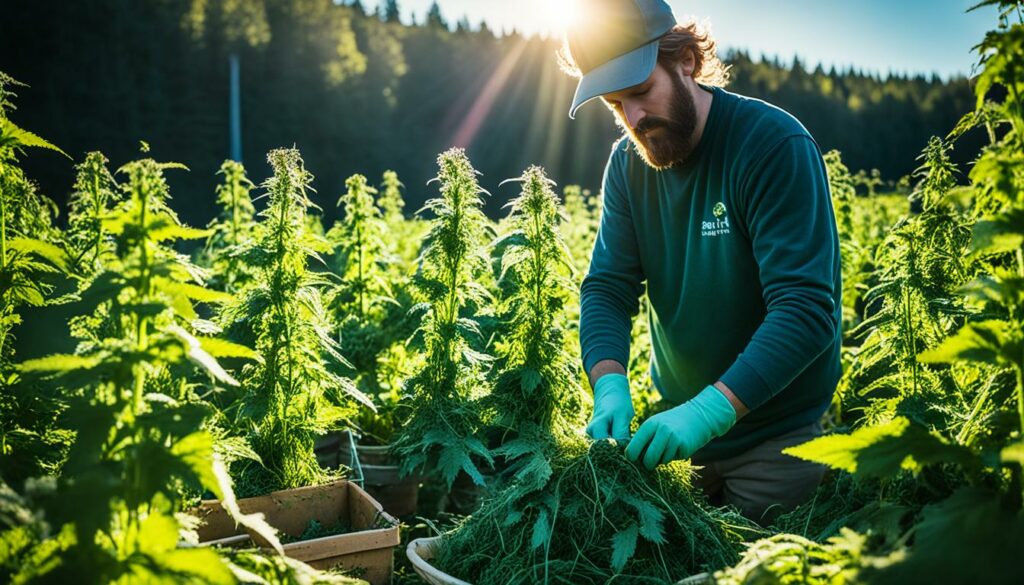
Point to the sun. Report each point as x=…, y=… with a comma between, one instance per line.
x=553, y=16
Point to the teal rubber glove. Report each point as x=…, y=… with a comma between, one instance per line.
x=613, y=408
x=678, y=433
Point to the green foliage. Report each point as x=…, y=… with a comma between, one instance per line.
x=371, y=303
x=597, y=518
x=138, y=430
x=787, y=559
x=390, y=201
x=536, y=395
x=27, y=251
x=291, y=395
x=251, y=566
x=231, y=231
x=443, y=415
x=31, y=261
x=945, y=349
x=962, y=539
x=915, y=304
x=883, y=450
x=95, y=192
x=359, y=248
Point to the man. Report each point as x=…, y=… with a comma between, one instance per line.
x=720, y=203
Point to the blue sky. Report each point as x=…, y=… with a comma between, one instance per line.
x=903, y=36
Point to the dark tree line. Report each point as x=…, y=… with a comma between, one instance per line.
x=364, y=93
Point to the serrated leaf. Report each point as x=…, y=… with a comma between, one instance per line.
x=541, y=530
x=536, y=470
x=59, y=363
x=10, y=132
x=222, y=348
x=452, y=459
x=196, y=293
x=255, y=523
x=623, y=547
x=529, y=380
x=883, y=450
x=174, y=231
x=1000, y=233
x=196, y=451
x=984, y=342
x=198, y=356
x=45, y=250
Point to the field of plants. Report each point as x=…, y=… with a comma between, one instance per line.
x=429, y=361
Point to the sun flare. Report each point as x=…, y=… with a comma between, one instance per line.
x=553, y=16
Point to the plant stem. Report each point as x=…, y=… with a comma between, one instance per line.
x=362, y=283
x=97, y=215
x=965, y=435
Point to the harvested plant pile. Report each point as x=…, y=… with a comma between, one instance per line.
x=599, y=517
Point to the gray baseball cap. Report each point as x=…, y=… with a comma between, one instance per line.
x=615, y=44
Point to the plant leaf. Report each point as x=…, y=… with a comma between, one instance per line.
x=883, y=450
x=623, y=547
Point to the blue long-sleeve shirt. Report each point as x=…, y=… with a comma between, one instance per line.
x=740, y=254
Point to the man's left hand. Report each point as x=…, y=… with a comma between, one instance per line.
x=678, y=433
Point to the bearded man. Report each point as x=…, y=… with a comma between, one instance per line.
x=720, y=204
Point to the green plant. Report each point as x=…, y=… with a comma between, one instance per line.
x=138, y=428
x=390, y=201
x=920, y=266
x=231, y=231
x=31, y=261
x=598, y=519
x=964, y=344
x=292, y=394
x=404, y=236
x=582, y=217
x=359, y=302
x=788, y=559
x=27, y=236
x=372, y=325
x=95, y=192
x=536, y=396
x=443, y=415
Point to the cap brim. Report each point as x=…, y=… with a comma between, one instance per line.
x=622, y=72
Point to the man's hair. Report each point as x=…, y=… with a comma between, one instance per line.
x=691, y=36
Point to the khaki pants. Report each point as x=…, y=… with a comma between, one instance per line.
x=762, y=482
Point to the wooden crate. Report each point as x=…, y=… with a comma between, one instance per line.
x=368, y=547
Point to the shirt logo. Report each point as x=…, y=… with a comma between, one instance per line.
x=718, y=226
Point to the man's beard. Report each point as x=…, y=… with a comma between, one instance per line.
x=674, y=143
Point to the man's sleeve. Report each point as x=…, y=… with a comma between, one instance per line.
x=609, y=296
x=792, y=230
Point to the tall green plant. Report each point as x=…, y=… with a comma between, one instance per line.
x=138, y=429
x=998, y=238
x=984, y=522
x=360, y=247
x=292, y=394
x=390, y=201
x=404, y=235
x=95, y=192
x=920, y=266
x=231, y=231
x=443, y=414
x=536, y=395
x=27, y=236
x=371, y=323
x=30, y=263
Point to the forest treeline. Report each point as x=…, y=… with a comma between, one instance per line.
x=360, y=92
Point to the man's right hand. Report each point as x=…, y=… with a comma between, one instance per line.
x=613, y=408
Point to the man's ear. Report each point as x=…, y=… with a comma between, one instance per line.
x=687, y=62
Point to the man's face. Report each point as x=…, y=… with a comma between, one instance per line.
x=660, y=117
